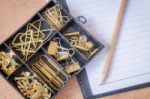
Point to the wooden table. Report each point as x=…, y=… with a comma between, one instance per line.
x=13, y=13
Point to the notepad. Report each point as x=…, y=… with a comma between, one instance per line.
x=131, y=62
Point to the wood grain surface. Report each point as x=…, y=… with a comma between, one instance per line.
x=14, y=13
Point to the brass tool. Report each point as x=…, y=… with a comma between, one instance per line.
x=7, y=64
x=27, y=43
x=61, y=53
x=72, y=34
x=31, y=87
x=82, y=43
x=49, y=75
x=54, y=16
x=52, y=48
x=73, y=67
x=93, y=52
x=58, y=51
x=58, y=68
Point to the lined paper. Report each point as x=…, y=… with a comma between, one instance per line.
x=131, y=61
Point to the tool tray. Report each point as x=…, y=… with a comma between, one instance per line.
x=41, y=50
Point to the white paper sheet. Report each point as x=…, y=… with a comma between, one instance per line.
x=131, y=61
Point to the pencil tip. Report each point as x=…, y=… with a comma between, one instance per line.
x=102, y=79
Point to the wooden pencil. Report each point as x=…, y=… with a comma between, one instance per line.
x=115, y=33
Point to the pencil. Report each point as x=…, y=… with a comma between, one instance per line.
x=115, y=33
